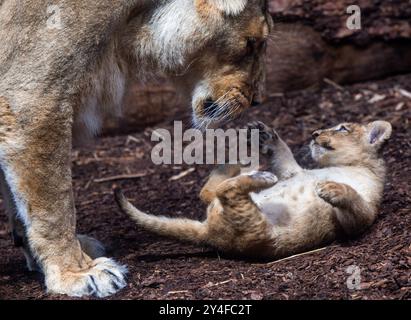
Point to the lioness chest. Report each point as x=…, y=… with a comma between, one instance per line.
x=102, y=97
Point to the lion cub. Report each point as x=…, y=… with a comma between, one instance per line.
x=291, y=209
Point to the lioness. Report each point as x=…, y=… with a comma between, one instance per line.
x=62, y=66
x=290, y=209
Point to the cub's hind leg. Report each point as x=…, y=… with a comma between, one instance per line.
x=217, y=176
x=354, y=214
x=240, y=213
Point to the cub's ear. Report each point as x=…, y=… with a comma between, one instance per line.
x=229, y=7
x=378, y=132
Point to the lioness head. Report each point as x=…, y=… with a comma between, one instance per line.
x=348, y=143
x=213, y=49
x=230, y=70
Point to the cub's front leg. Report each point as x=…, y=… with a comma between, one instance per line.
x=217, y=176
x=354, y=213
x=35, y=146
x=284, y=164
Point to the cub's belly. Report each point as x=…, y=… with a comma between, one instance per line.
x=282, y=202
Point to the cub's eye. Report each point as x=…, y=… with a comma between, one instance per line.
x=342, y=129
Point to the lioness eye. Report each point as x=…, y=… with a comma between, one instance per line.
x=342, y=129
x=251, y=42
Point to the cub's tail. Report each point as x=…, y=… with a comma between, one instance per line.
x=182, y=229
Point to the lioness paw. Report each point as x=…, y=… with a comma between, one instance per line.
x=105, y=277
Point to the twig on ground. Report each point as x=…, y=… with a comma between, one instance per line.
x=122, y=177
x=210, y=284
x=333, y=84
x=276, y=95
x=181, y=175
x=88, y=183
x=295, y=256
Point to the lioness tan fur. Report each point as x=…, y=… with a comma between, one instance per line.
x=289, y=210
x=64, y=64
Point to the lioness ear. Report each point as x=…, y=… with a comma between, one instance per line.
x=229, y=7
x=378, y=132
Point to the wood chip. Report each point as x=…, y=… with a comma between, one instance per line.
x=177, y=292
x=131, y=138
x=405, y=93
x=399, y=106
x=88, y=183
x=376, y=98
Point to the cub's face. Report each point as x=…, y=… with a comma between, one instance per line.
x=229, y=71
x=347, y=143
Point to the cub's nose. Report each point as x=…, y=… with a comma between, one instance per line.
x=315, y=134
x=210, y=108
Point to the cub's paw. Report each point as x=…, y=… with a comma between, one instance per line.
x=331, y=192
x=227, y=170
x=254, y=181
x=104, y=277
x=267, y=136
x=262, y=178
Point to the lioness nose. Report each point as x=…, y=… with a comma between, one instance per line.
x=210, y=108
x=256, y=100
x=255, y=103
x=315, y=134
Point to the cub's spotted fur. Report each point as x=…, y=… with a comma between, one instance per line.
x=290, y=209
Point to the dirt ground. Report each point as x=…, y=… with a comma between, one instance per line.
x=161, y=268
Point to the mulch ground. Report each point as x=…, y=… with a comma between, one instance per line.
x=161, y=268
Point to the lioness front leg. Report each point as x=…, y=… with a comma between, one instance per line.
x=35, y=158
x=284, y=164
x=16, y=225
x=91, y=246
x=353, y=213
